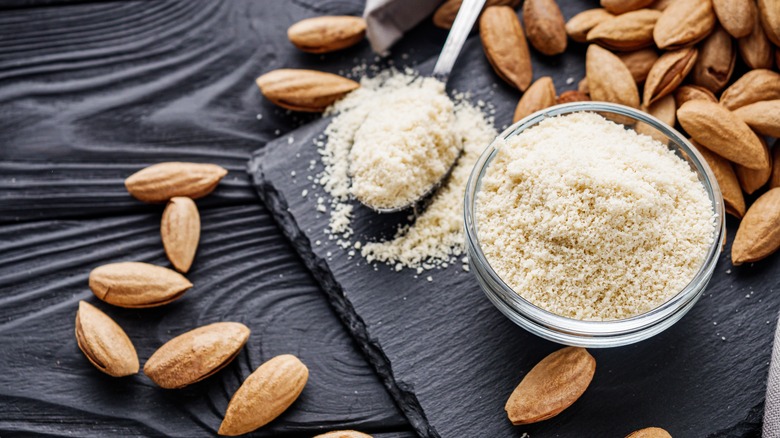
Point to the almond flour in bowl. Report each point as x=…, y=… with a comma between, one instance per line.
x=590, y=234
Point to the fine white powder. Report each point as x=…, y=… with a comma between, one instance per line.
x=436, y=236
x=591, y=221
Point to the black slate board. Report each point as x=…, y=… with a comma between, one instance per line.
x=451, y=360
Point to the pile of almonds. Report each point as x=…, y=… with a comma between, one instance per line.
x=198, y=353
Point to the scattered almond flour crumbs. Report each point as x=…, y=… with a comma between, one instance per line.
x=592, y=221
x=435, y=239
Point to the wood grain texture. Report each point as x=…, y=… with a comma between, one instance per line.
x=245, y=272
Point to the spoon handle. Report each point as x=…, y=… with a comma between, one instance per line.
x=461, y=27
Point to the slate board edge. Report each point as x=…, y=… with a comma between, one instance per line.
x=278, y=207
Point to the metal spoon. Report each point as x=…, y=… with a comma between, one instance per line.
x=461, y=27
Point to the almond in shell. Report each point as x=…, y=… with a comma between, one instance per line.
x=579, y=25
x=609, y=80
x=774, y=181
x=196, y=354
x=446, y=13
x=717, y=56
x=572, y=96
x=264, y=395
x=639, y=62
x=685, y=93
x=664, y=110
x=630, y=31
x=180, y=232
x=668, y=72
x=770, y=19
x=163, y=181
x=649, y=432
x=344, y=434
x=733, y=199
x=736, y=16
x=618, y=7
x=753, y=86
x=753, y=179
x=683, y=23
x=137, y=285
x=104, y=343
x=327, y=33
x=758, y=235
x=505, y=46
x=540, y=95
x=722, y=132
x=755, y=49
x=304, y=90
x=545, y=26
x=763, y=116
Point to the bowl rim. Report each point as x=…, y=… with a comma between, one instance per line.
x=597, y=328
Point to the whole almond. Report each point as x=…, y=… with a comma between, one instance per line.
x=505, y=46
x=664, y=110
x=755, y=49
x=685, y=93
x=446, y=13
x=180, y=232
x=763, y=116
x=758, y=235
x=736, y=16
x=304, y=90
x=770, y=19
x=327, y=33
x=661, y=5
x=196, y=354
x=717, y=56
x=650, y=432
x=683, y=23
x=264, y=395
x=733, y=199
x=344, y=434
x=753, y=86
x=722, y=132
x=774, y=181
x=753, y=179
x=639, y=62
x=545, y=26
x=579, y=25
x=582, y=86
x=163, y=181
x=630, y=31
x=668, y=72
x=104, y=343
x=572, y=96
x=618, y=7
x=609, y=80
x=137, y=285
x=551, y=386
x=540, y=95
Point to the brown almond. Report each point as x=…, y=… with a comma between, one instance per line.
x=661, y=5
x=753, y=86
x=722, y=132
x=545, y=26
x=753, y=179
x=618, y=7
x=630, y=31
x=196, y=354
x=104, y=343
x=717, y=56
x=668, y=72
x=572, y=96
x=327, y=33
x=163, y=181
x=733, y=199
x=774, y=181
x=763, y=117
x=755, y=49
x=664, y=110
x=582, y=86
x=609, y=80
x=551, y=386
x=770, y=19
x=639, y=62
x=505, y=46
x=758, y=235
x=180, y=232
x=685, y=93
x=649, y=432
x=540, y=95
x=264, y=395
x=736, y=16
x=446, y=13
x=579, y=25
x=304, y=90
x=683, y=23
x=137, y=285
x=344, y=434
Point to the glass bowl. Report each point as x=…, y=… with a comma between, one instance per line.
x=594, y=334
